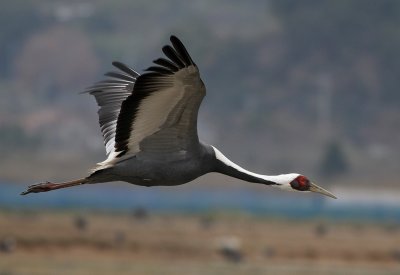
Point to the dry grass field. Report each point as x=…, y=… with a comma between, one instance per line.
x=137, y=243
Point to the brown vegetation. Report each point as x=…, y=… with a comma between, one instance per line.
x=51, y=243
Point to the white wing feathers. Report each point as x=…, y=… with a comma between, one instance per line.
x=109, y=96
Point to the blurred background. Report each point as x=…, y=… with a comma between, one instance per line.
x=292, y=86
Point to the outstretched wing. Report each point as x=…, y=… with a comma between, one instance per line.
x=159, y=118
x=109, y=96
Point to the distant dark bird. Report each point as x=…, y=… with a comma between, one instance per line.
x=7, y=245
x=321, y=230
x=149, y=125
x=81, y=223
x=140, y=213
x=269, y=252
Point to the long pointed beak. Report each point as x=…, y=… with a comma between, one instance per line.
x=315, y=188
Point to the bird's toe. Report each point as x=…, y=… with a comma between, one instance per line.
x=37, y=188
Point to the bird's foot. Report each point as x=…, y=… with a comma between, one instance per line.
x=40, y=187
x=49, y=186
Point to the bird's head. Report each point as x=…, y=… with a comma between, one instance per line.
x=298, y=182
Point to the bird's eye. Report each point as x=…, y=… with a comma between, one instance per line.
x=300, y=183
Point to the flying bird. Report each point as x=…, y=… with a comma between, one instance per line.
x=149, y=125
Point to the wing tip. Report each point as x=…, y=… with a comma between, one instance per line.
x=180, y=48
x=173, y=38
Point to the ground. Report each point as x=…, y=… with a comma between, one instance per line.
x=218, y=243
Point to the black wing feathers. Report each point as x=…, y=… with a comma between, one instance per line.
x=129, y=110
x=171, y=54
x=120, y=76
x=125, y=69
x=181, y=50
x=159, y=69
x=145, y=85
x=109, y=95
x=166, y=63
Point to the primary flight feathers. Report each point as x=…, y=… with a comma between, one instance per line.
x=122, y=99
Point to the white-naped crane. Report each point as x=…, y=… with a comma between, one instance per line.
x=149, y=125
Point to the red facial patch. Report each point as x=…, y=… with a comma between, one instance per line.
x=302, y=180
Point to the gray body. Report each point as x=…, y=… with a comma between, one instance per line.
x=161, y=170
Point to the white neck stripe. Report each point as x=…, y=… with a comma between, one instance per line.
x=282, y=180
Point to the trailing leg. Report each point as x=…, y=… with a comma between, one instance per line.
x=49, y=186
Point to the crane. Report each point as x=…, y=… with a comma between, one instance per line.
x=149, y=125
